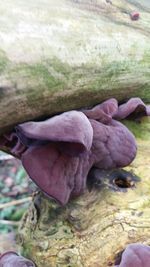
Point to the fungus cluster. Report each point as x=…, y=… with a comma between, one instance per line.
x=59, y=152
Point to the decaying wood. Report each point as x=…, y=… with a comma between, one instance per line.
x=92, y=229
x=68, y=54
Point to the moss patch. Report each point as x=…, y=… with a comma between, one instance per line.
x=52, y=86
x=3, y=61
x=141, y=129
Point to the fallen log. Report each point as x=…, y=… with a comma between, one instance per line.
x=66, y=54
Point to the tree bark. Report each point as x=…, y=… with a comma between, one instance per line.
x=92, y=229
x=69, y=54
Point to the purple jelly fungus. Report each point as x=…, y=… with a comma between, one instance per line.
x=59, y=152
x=135, y=255
x=12, y=259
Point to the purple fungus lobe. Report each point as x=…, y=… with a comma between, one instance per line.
x=135, y=255
x=59, y=152
x=12, y=259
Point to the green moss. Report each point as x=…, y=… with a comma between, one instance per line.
x=60, y=67
x=83, y=85
x=86, y=84
x=26, y=250
x=141, y=129
x=38, y=73
x=146, y=57
x=114, y=74
x=47, y=77
x=144, y=92
x=3, y=61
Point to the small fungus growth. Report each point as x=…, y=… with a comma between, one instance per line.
x=134, y=15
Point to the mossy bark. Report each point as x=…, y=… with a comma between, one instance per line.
x=69, y=54
x=93, y=228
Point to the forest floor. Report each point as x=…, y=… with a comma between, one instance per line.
x=15, y=194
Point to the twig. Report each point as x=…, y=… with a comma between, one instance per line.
x=15, y=202
x=9, y=222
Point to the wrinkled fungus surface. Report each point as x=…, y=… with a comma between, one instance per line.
x=59, y=152
x=135, y=255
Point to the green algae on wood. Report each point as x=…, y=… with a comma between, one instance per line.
x=141, y=128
